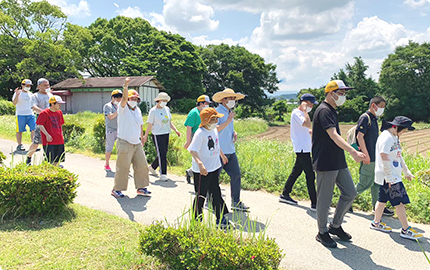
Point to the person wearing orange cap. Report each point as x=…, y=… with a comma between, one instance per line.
x=330, y=165
x=130, y=145
x=192, y=123
x=207, y=155
x=110, y=110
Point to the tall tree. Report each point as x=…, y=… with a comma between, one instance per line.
x=235, y=67
x=405, y=80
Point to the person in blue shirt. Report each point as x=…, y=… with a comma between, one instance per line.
x=227, y=136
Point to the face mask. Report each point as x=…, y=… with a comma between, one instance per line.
x=116, y=102
x=163, y=104
x=26, y=89
x=231, y=103
x=132, y=103
x=340, y=100
x=47, y=90
x=212, y=126
x=379, y=111
x=308, y=109
x=205, y=107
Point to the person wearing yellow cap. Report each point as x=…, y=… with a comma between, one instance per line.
x=110, y=111
x=207, y=157
x=192, y=123
x=23, y=114
x=227, y=100
x=330, y=165
x=130, y=145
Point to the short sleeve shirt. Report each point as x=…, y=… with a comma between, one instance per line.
x=193, y=120
x=41, y=100
x=23, y=107
x=226, y=135
x=129, y=124
x=388, y=144
x=111, y=124
x=206, y=144
x=370, y=131
x=300, y=137
x=160, y=120
x=327, y=156
x=52, y=121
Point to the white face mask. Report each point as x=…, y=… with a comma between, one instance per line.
x=132, y=103
x=231, y=103
x=340, y=100
x=379, y=111
x=308, y=109
x=163, y=104
x=115, y=102
x=205, y=107
x=212, y=126
x=26, y=89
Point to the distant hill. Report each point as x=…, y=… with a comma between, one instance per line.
x=283, y=95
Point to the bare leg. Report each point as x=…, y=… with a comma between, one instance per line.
x=379, y=210
x=32, y=135
x=32, y=149
x=19, y=138
x=401, y=213
x=107, y=157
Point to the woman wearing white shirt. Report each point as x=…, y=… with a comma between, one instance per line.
x=159, y=122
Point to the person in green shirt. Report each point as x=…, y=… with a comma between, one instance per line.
x=192, y=123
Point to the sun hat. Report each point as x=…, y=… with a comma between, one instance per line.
x=308, y=97
x=162, y=96
x=26, y=82
x=207, y=114
x=402, y=121
x=41, y=80
x=336, y=85
x=204, y=98
x=133, y=93
x=116, y=92
x=56, y=99
x=219, y=96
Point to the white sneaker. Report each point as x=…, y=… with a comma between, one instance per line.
x=163, y=177
x=152, y=171
x=410, y=233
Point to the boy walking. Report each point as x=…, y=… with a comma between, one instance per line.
x=110, y=110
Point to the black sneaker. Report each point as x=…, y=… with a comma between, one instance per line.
x=189, y=174
x=20, y=148
x=340, y=233
x=313, y=207
x=326, y=240
x=28, y=162
x=388, y=212
x=287, y=199
x=350, y=210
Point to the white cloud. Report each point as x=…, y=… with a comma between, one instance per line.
x=204, y=41
x=82, y=9
x=131, y=12
x=416, y=4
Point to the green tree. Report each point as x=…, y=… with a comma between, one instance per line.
x=280, y=108
x=235, y=67
x=405, y=80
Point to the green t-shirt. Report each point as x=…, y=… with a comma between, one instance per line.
x=193, y=120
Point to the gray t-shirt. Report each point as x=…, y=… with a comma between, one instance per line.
x=111, y=124
x=41, y=100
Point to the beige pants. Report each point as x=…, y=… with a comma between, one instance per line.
x=130, y=153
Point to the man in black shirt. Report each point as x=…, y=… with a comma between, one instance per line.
x=330, y=164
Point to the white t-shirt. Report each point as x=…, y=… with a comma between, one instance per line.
x=160, y=120
x=23, y=107
x=129, y=124
x=300, y=136
x=206, y=144
x=389, y=144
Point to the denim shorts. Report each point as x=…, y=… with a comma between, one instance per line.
x=25, y=120
x=396, y=194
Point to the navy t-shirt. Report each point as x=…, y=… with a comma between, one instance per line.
x=327, y=156
x=370, y=131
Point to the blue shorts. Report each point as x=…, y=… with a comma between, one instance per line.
x=25, y=120
x=396, y=194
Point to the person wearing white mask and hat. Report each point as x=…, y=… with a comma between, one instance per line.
x=160, y=123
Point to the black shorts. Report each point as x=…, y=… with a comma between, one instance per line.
x=396, y=194
x=54, y=153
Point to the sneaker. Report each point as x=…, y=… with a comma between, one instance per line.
x=410, y=233
x=313, y=208
x=287, y=199
x=143, y=192
x=340, y=233
x=117, y=194
x=28, y=161
x=350, y=210
x=20, y=148
x=326, y=240
x=107, y=168
x=164, y=178
x=152, y=171
x=388, y=212
x=189, y=174
x=240, y=206
x=380, y=226
x=223, y=224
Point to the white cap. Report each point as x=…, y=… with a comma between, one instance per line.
x=56, y=99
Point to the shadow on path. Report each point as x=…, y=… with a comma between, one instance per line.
x=242, y=222
x=167, y=184
x=131, y=205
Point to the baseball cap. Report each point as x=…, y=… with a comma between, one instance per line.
x=133, y=93
x=402, y=121
x=204, y=98
x=56, y=99
x=41, y=80
x=116, y=92
x=336, y=85
x=308, y=97
x=206, y=115
x=26, y=82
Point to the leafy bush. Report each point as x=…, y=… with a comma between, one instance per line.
x=99, y=130
x=197, y=246
x=35, y=190
x=2, y=158
x=144, y=107
x=6, y=107
x=183, y=105
x=72, y=131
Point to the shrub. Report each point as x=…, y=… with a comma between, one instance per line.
x=72, y=131
x=183, y=105
x=2, y=158
x=6, y=107
x=35, y=190
x=99, y=130
x=144, y=107
x=197, y=246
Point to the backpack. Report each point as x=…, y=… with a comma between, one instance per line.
x=351, y=135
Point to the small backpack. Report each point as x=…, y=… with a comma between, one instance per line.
x=351, y=135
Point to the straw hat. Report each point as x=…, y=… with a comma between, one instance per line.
x=219, y=96
x=162, y=96
x=207, y=114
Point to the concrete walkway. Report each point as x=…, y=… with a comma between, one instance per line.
x=293, y=227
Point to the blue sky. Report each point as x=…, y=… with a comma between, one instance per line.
x=308, y=40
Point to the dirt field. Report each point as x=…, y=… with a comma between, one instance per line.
x=415, y=141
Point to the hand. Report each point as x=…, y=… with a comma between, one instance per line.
x=127, y=81
x=366, y=160
x=303, y=106
x=144, y=139
x=310, y=132
x=358, y=156
x=202, y=169
x=409, y=176
x=49, y=138
x=18, y=91
x=234, y=137
x=224, y=159
x=178, y=133
x=231, y=115
x=187, y=144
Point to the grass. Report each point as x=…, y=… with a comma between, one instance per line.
x=80, y=238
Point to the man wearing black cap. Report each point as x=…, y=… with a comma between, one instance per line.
x=300, y=132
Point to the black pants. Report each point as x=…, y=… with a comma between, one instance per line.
x=204, y=185
x=161, y=145
x=303, y=163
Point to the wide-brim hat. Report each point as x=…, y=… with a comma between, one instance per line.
x=162, y=96
x=207, y=114
x=219, y=96
x=402, y=121
x=336, y=85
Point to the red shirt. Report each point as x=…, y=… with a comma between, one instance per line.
x=52, y=121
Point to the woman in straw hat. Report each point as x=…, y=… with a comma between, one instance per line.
x=159, y=122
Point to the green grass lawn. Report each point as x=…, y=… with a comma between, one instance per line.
x=80, y=238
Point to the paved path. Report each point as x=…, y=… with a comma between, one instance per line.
x=293, y=227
